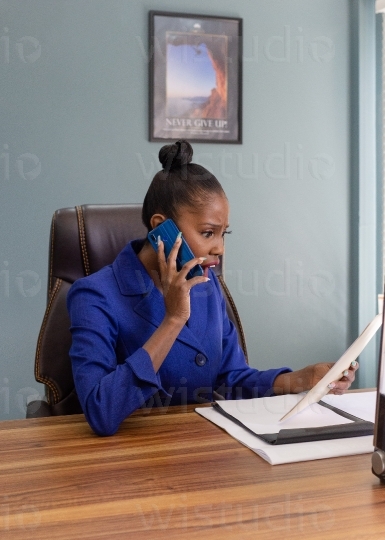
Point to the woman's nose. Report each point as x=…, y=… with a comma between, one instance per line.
x=218, y=248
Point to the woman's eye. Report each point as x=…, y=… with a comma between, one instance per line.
x=226, y=232
x=208, y=234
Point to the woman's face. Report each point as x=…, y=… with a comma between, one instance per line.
x=204, y=228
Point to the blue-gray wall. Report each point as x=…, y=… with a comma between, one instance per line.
x=73, y=95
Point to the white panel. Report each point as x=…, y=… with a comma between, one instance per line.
x=380, y=6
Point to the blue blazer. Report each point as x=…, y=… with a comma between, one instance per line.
x=115, y=311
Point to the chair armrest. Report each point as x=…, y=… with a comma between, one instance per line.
x=38, y=409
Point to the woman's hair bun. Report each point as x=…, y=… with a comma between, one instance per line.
x=176, y=155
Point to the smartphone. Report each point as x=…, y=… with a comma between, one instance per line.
x=168, y=232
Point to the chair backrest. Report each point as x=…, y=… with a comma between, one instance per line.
x=82, y=241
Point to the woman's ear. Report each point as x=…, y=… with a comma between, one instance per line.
x=156, y=220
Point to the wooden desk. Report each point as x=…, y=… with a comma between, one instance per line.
x=173, y=476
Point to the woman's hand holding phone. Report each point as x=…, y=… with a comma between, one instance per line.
x=175, y=280
x=174, y=284
x=176, y=292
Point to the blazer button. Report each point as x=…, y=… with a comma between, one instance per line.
x=200, y=360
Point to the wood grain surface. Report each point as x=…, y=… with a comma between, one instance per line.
x=174, y=476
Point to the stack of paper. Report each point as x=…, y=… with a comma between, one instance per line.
x=262, y=415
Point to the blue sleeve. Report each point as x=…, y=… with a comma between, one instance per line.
x=236, y=378
x=108, y=392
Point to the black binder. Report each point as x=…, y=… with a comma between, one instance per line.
x=357, y=428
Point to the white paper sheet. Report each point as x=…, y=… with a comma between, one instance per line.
x=360, y=404
x=290, y=453
x=262, y=415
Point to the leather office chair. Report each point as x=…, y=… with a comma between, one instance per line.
x=82, y=241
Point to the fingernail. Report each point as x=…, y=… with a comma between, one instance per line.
x=179, y=235
x=208, y=279
x=203, y=259
x=331, y=385
x=345, y=373
x=159, y=240
x=354, y=363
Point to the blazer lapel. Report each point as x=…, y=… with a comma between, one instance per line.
x=198, y=322
x=133, y=280
x=151, y=308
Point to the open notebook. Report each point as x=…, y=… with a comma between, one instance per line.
x=258, y=420
x=320, y=422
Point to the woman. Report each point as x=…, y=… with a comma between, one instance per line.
x=143, y=334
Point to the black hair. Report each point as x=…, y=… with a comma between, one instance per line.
x=179, y=183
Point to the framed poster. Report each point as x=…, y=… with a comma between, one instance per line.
x=195, y=78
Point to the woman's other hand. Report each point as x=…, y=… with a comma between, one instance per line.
x=304, y=379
